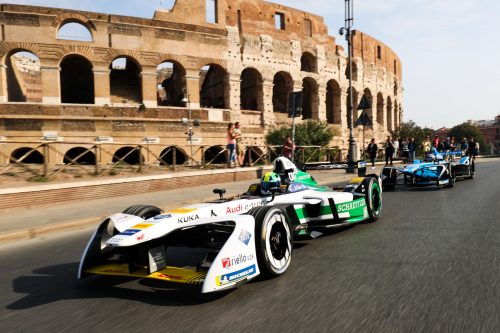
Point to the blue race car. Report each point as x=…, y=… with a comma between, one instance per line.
x=436, y=172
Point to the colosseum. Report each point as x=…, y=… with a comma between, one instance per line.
x=132, y=80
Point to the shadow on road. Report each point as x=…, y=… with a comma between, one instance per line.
x=55, y=283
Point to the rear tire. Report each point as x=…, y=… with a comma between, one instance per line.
x=273, y=240
x=373, y=199
x=143, y=211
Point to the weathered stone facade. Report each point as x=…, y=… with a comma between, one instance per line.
x=240, y=66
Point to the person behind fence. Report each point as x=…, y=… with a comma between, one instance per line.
x=426, y=147
x=240, y=150
x=288, y=148
x=404, y=150
x=395, y=144
x=389, y=150
x=231, y=142
x=372, y=152
x=412, y=147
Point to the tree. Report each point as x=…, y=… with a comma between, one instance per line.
x=410, y=129
x=469, y=131
x=308, y=133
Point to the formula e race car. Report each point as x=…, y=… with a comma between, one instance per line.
x=226, y=242
x=436, y=172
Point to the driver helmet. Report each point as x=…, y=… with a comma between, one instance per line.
x=268, y=181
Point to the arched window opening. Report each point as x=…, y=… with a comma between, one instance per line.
x=74, y=31
x=128, y=155
x=333, y=102
x=380, y=109
x=309, y=98
x=77, y=80
x=395, y=88
x=354, y=72
x=251, y=92
x=125, y=81
x=214, y=87
x=79, y=155
x=27, y=156
x=171, y=84
x=282, y=87
x=24, y=79
x=308, y=63
x=168, y=154
x=215, y=155
x=389, y=115
x=368, y=95
x=254, y=155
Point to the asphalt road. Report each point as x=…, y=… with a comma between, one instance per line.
x=431, y=263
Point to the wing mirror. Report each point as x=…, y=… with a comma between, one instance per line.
x=220, y=192
x=274, y=190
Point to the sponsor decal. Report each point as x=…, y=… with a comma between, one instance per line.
x=187, y=218
x=356, y=180
x=168, y=276
x=212, y=213
x=142, y=226
x=140, y=237
x=234, y=276
x=243, y=207
x=182, y=211
x=344, y=207
x=236, y=260
x=244, y=236
x=129, y=232
x=163, y=216
x=303, y=177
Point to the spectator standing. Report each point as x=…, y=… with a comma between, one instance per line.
x=231, y=142
x=473, y=149
x=464, y=146
x=395, y=144
x=372, y=152
x=412, y=147
x=453, y=147
x=446, y=148
x=404, y=150
x=435, y=142
x=426, y=147
x=288, y=148
x=389, y=150
x=240, y=150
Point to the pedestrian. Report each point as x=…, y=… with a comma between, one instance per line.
x=372, y=152
x=453, y=146
x=288, y=148
x=412, y=147
x=389, y=150
x=473, y=149
x=435, y=142
x=240, y=150
x=395, y=144
x=404, y=150
x=231, y=142
x=426, y=147
x=464, y=146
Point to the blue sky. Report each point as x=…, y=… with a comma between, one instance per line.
x=449, y=48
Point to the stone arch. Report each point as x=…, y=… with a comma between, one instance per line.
x=380, y=109
x=130, y=155
x=76, y=80
x=33, y=157
x=354, y=71
x=214, y=87
x=125, y=80
x=215, y=155
x=79, y=155
x=368, y=95
x=282, y=87
x=167, y=156
x=171, y=83
x=333, y=102
x=23, y=76
x=389, y=114
x=308, y=63
x=251, y=90
x=310, y=98
x=74, y=29
x=355, y=101
x=73, y=17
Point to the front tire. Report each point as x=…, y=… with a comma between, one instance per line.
x=373, y=199
x=273, y=240
x=143, y=211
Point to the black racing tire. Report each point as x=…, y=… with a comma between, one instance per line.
x=452, y=178
x=373, y=198
x=273, y=240
x=143, y=211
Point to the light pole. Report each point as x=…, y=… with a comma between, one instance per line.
x=190, y=129
x=349, y=19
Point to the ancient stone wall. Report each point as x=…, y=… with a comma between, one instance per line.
x=239, y=65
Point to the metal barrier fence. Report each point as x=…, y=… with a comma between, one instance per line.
x=46, y=160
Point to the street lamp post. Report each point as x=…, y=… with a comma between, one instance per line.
x=189, y=132
x=349, y=19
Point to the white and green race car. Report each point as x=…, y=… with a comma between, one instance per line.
x=226, y=242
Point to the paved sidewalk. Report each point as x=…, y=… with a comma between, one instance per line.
x=33, y=222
